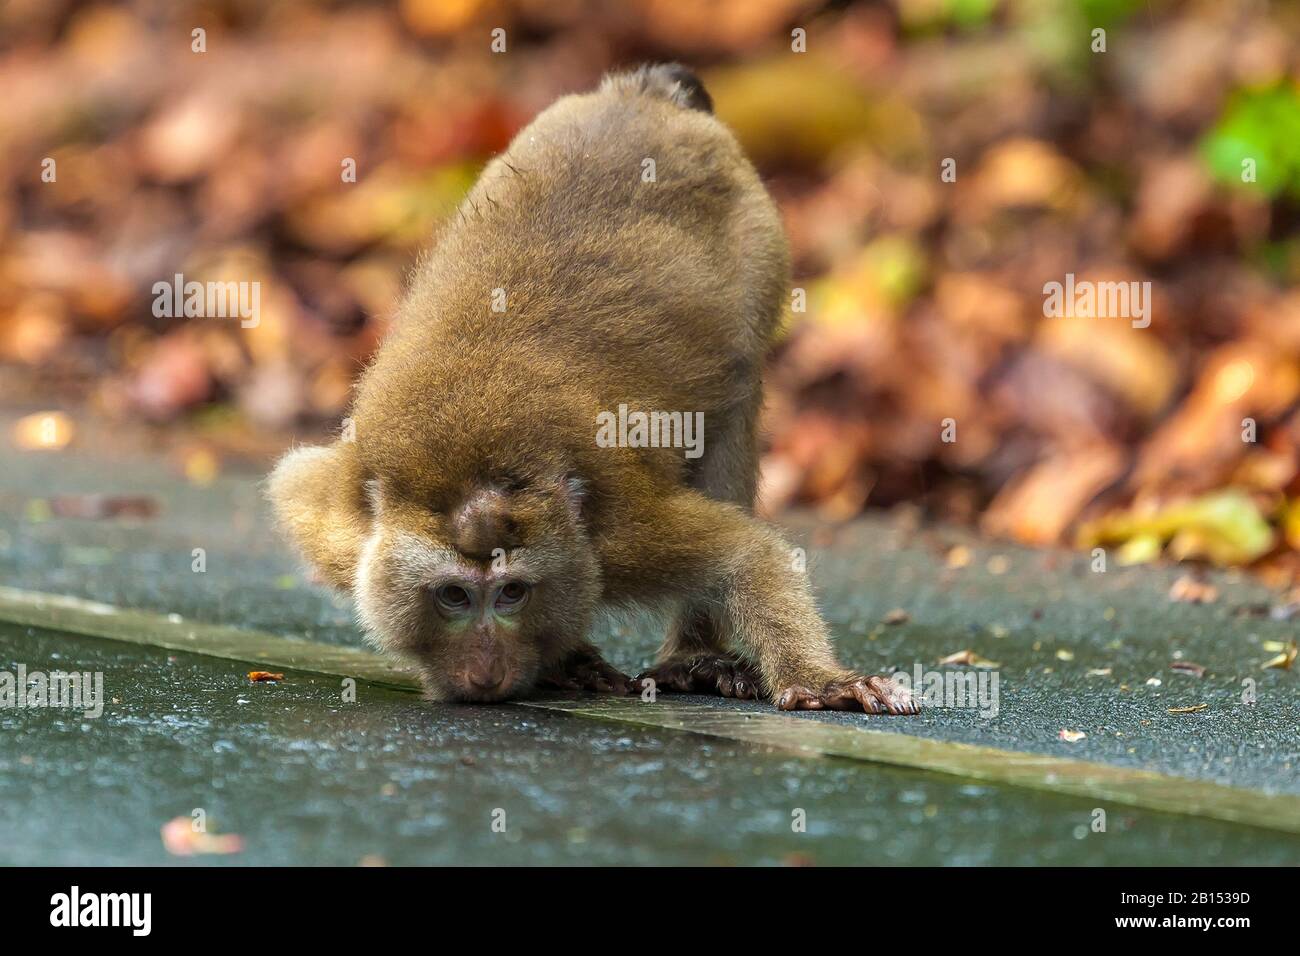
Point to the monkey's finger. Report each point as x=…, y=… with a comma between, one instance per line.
x=906, y=703
x=597, y=683
x=865, y=696
x=798, y=698
x=673, y=680
x=620, y=683
x=846, y=697
x=612, y=681
x=896, y=698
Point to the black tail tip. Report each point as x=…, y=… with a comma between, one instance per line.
x=671, y=81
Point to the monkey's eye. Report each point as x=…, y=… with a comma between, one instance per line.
x=512, y=596
x=452, y=597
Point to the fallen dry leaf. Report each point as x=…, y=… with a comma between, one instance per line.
x=201, y=467
x=1284, y=660
x=968, y=657
x=1072, y=736
x=1225, y=526
x=96, y=506
x=1196, y=708
x=1038, y=505
x=263, y=677
x=181, y=839
x=1099, y=672
x=173, y=378
x=43, y=431
x=1187, y=667
x=1189, y=590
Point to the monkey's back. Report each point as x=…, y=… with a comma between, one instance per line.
x=621, y=251
x=619, y=228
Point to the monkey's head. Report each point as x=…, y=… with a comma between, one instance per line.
x=480, y=587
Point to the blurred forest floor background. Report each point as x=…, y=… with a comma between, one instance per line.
x=925, y=297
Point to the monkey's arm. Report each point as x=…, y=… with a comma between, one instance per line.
x=721, y=558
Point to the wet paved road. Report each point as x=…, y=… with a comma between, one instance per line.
x=306, y=778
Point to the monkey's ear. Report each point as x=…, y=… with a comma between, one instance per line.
x=319, y=497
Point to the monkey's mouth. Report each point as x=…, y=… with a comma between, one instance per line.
x=507, y=689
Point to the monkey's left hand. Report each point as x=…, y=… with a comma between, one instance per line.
x=585, y=669
x=722, y=674
x=874, y=695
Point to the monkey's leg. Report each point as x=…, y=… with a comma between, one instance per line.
x=585, y=669
x=694, y=657
x=724, y=559
x=728, y=468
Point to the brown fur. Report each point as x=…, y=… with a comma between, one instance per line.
x=475, y=426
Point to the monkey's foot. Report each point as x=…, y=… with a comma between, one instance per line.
x=874, y=695
x=706, y=674
x=586, y=670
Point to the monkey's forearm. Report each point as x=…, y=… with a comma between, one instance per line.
x=717, y=556
x=747, y=576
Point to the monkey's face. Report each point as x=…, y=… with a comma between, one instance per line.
x=481, y=596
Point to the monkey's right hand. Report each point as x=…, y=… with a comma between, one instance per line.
x=585, y=669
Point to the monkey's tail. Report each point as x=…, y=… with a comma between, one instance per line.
x=671, y=81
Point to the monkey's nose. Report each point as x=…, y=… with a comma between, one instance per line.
x=486, y=673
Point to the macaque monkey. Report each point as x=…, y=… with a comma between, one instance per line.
x=622, y=251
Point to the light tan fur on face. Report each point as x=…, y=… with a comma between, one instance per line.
x=395, y=568
x=475, y=426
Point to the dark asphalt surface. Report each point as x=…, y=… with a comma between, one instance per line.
x=305, y=777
